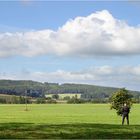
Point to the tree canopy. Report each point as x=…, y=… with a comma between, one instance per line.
x=118, y=99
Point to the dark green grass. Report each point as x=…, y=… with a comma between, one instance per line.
x=68, y=131
x=64, y=121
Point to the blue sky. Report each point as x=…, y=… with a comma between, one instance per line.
x=40, y=15
x=74, y=42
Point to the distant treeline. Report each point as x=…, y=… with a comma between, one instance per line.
x=12, y=99
x=39, y=90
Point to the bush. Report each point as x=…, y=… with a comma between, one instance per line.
x=41, y=101
x=99, y=100
x=51, y=101
x=55, y=96
x=48, y=98
x=75, y=101
x=66, y=98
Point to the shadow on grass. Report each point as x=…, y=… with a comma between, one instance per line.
x=68, y=131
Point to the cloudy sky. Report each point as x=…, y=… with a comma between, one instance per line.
x=71, y=42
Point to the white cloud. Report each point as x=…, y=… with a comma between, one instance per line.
x=99, y=34
x=125, y=76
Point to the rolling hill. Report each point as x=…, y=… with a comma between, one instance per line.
x=38, y=89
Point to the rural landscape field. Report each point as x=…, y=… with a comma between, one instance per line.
x=67, y=121
x=69, y=69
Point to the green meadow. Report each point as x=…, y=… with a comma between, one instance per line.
x=66, y=121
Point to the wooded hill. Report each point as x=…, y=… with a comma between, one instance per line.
x=38, y=89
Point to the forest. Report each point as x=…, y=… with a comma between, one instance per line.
x=39, y=90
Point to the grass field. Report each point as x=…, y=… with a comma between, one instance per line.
x=67, y=121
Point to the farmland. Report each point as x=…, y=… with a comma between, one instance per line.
x=62, y=96
x=66, y=121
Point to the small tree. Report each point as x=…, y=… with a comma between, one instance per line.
x=55, y=96
x=41, y=101
x=119, y=98
x=66, y=98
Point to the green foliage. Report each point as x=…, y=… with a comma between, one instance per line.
x=75, y=100
x=39, y=90
x=21, y=100
x=41, y=101
x=48, y=98
x=55, y=96
x=51, y=101
x=99, y=100
x=12, y=99
x=66, y=98
x=119, y=98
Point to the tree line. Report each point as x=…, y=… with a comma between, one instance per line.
x=14, y=99
x=39, y=90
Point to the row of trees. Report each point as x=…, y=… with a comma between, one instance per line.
x=38, y=89
x=117, y=99
x=14, y=100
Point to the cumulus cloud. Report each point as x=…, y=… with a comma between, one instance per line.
x=98, y=34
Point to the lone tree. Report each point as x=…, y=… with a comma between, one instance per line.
x=118, y=99
x=55, y=96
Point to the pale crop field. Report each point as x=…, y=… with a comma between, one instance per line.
x=61, y=96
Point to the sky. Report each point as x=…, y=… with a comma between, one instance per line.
x=85, y=42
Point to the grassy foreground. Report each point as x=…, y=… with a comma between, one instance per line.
x=66, y=121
